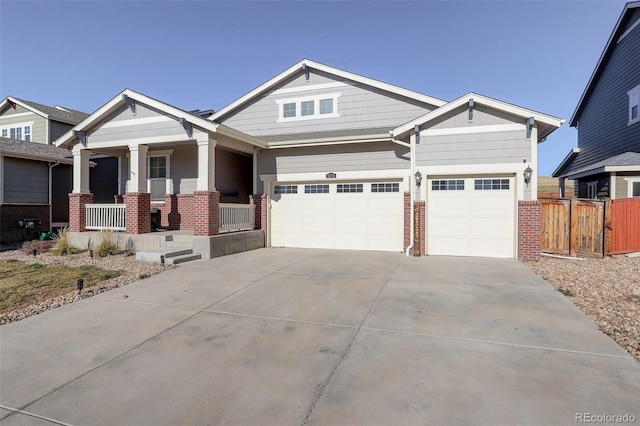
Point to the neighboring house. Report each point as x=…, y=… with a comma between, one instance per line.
x=606, y=163
x=330, y=159
x=35, y=180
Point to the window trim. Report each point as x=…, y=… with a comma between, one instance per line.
x=21, y=126
x=168, y=187
x=456, y=185
x=630, y=183
x=350, y=188
x=316, y=107
x=385, y=187
x=631, y=93
x=316, y=188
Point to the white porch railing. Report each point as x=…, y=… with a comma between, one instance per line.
x=106, y=216
x=237, y=217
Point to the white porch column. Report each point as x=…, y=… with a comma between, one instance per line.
x=138, y=168
x=206, y=162
x=81, y=169
x=255, y=171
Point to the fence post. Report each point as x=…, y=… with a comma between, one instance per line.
x=573, y=234
x=607, y=226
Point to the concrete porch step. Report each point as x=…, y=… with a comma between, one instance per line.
x=183, y=258
x=179, y=244
x=155, y=256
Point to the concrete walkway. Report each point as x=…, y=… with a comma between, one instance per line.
x=296, y=336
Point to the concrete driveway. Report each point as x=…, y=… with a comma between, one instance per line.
x=297, y=336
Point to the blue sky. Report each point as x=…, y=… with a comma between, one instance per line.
x=206, y=54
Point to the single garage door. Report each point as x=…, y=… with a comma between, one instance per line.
x=471, y=216
x=345, y=215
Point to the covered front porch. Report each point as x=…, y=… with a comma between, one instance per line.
x=175, y=171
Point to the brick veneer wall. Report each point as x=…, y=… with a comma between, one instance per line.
x=177, y=211
x=77, y=214
x=421, y=210
x=10, y=214
x=138, y=212
x=407, y=220
x=206, y=213
x=260, y=201
x=529, y=230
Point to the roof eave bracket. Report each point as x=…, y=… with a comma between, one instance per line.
x=187, y=126
x=131, y=103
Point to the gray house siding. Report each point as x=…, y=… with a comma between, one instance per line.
x=26, y=181
x=118, y=133
x=334, y=158
x=57, y=129
x=602, y=125
x=622, y=184
x=359, y=107
x=39, y=126
x=184, y=169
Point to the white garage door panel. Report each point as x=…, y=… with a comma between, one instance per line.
x=470, y=221
x=361, y=221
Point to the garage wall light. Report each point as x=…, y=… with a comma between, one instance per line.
x=418, y=177
x=528, y=172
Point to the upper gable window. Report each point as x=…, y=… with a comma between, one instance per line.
x=634, y=105
x=308, y=107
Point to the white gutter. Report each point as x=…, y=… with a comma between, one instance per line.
x=51, y=166
x=411, y=147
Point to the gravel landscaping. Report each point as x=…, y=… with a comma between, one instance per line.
x=607, y=290
x=133, y=270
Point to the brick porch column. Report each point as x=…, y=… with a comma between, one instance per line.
x=138, y=212
x=407, y=220
x=260, y=201
x=421, y=211
x=529, y=230
x=206, y=213
x=77, y=214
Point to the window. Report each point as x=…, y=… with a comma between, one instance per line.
x=490, y=184
x=27, y=133
x=447, y=185
x=289, y=110
x=634, y=105
x=12, y=133
x=316, y=189
x=4, y=133
x=326, y=106
x=21, y=131
x=592, y=190
x=634, y=188
x=385, y=187
x=285, y=189
x=349, y=187
x=158, y=167
x=306, y=108
x=309, y=107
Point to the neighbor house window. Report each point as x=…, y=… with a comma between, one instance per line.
x=308, y=107
x=447, y=185
x=592, y=190
x=634, y=104
x=634, y=188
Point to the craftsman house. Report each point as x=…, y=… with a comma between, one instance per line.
x=321, y=157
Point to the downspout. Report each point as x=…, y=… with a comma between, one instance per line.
x=51, y=166
x=411, y=147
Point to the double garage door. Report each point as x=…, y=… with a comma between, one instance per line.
x=343, y=215
x=471, y=216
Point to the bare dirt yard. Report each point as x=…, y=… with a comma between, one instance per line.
x=33, y=284
x=607, y=290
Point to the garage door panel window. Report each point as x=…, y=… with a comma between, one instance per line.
x=285, y=189
x=316, y=189
x=491, y=184
x=447, y=185
x=349, y=188
x=385, y=187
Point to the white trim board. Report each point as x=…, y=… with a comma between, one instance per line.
x=20, y=114
x=308, y=88
x=494, y=128
x=340, y=176
x=135, y=122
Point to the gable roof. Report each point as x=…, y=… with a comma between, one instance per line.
x=68, y=139
x=550, y=123
x=56, y=113
x=625, y=162
x=604, y=57
x=270, y=84
x=34, y=151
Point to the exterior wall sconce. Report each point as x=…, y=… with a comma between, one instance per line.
x=528, y=172
x=418, y=177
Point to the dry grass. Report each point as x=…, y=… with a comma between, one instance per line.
x=63, y=243
x=548, y=186
x=23, y=284
x=107, y=244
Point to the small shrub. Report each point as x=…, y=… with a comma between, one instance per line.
x=107, y=244
x=566, y=292
x=63, y=243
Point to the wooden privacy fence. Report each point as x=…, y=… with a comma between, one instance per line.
x=590, y=227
